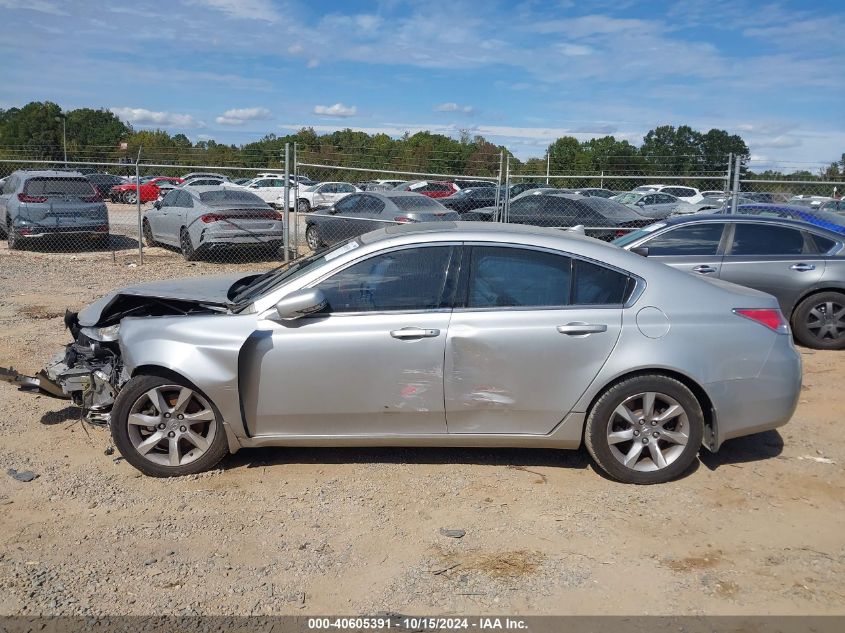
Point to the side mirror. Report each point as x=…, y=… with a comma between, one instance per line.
x=157, y=204
x=332, y=211
x=301, y=303
x=642, y=251
x=640, y=203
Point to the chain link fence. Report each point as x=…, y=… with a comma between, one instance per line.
x=245, y=217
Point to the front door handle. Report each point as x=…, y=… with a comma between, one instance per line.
x=802, y=268
x=704, y=269
x=574, y=329
x=414, y=332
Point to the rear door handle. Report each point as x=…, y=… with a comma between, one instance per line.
x=802, y=268
x=414, y=332
x=573, y=329
x=704, y=269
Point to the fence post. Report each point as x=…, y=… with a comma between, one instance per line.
x=729, y=173
x=295, y=206
x=735, y=193
x=548, y=162
x=286, y=239
x=499, y=183
x=507, y=186
x=138, y=203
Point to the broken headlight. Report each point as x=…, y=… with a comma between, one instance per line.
x=102, y=334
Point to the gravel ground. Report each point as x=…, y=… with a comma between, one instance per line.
x=756, y=529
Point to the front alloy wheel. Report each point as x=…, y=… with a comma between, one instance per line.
x=164, y=428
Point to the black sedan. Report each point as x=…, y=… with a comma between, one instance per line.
x=601, y=218
x=104, y=182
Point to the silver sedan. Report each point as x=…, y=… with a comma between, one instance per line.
x=442, y=334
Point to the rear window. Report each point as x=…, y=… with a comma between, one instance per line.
x=418, y=203
x=225, y=196
x=58, y=187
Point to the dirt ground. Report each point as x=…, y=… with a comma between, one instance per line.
x=755, y=529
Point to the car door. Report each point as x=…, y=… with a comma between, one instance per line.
x=159, y=218
x=335, y=223
x=530, y=331
x=371, y=363
x=780, y=260
x=364, y=214
x=175, y=218
x=323, y=195
x=694, y=247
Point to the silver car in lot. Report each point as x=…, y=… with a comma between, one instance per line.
x=801, y=264
x=446, y=334
x=199, y=219
x=360, y=213
x=37, y=204
x=654, y=205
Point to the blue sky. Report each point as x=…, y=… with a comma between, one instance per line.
x=519, y=73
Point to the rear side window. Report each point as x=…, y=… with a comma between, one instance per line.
x=58, y=187
x=409, y=279
x=518, y=278
x=689, y=239
x=596, y=285
x=823, y=244
x=764, y=239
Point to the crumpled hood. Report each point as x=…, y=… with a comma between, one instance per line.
x=210, y=290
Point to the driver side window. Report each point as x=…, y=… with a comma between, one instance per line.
x=412, y=279
x=170, y=199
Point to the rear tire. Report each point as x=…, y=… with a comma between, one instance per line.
x=12, y=237
x=131, y=197
x=645, y=430
x=819, y=321
x=313, y=238
x=147, y=232
x=187, y=246
x=198, y=448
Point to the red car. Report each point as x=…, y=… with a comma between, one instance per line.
x=150, y=189
x=430, y=188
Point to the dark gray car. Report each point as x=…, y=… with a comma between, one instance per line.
x=36, y=204
x=363, y=212
x=800, y=264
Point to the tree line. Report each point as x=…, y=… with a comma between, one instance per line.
x=35, y=131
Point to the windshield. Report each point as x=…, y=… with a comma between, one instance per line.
x=58, y=187
x=633, y=236
x=220, y=196
x=417, y=203
x=263, y=284
x=627, y=198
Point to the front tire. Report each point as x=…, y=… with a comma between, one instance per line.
x=645, y=430
x=187, y=246
x=303, y=206
x=819, y=321
x=166, y=427
x=147, y=232
x=131, y=197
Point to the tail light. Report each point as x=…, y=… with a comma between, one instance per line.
x=772, y=318
x=403, y=219
x=25, y=198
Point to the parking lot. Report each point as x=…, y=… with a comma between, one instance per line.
x=754, y=529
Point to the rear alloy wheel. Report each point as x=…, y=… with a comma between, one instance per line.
x=819, y=321
x=131, y=196
x=303, y=206
x=148, y=234
x=166, y=427
x=313, y=238
x=187, y=246
x=645, y=430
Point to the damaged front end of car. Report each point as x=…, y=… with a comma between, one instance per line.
x=89, y=371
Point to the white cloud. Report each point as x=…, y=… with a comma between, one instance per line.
x=238, y=116
x=454, y=107
x=243, y=9
x=574, y=50
x=41, y=6
x=337, y=110
x=313, y=63
x=142, y=116
x=295, y=49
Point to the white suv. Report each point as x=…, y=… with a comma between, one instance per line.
x=687, y=194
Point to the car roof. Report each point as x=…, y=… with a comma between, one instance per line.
x=49, y=173
x=741, y=217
